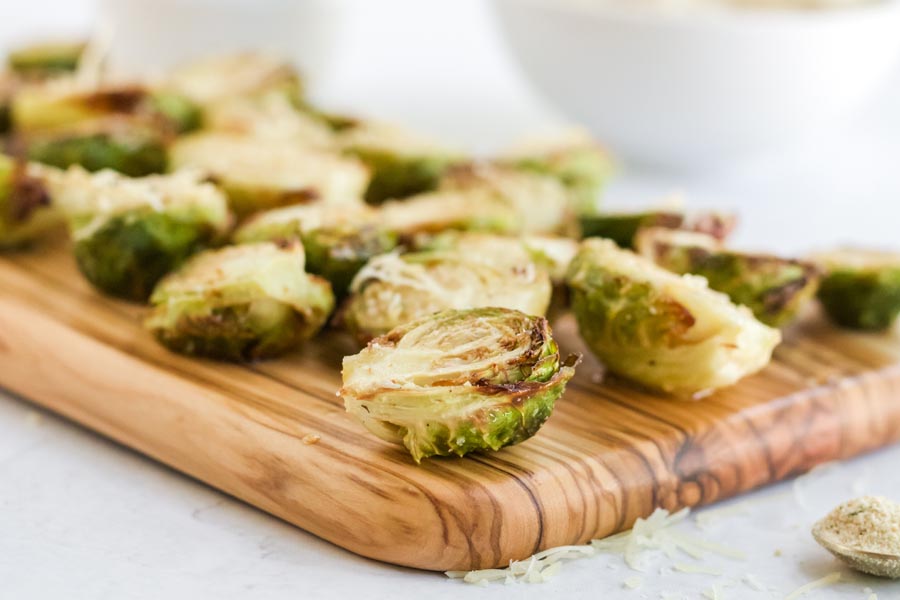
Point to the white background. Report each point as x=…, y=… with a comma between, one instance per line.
x=82, y=518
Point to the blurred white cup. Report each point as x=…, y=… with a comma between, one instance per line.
x=689, y=89
x=151, y=36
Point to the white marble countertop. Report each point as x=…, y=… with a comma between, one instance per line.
x=83, y=518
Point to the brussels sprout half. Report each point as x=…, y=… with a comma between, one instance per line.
x=240, y=303
x=26, y=211
x=402, y=165
x=540, y=202
x=662, y=330
x=128, y=233
x=577, y=161
x=46, y=59
x=338, y=240
x=623, y=227
x=861, y=288
x=116, y=144
x=63, y=104
x=259, y=175
x=458, y=381
x=213, y=79
x=774, y=288
x=553, y=254
x=434, y=212
x=266, y=116
x=393, y=289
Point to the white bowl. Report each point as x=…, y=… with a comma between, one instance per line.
x=158, y=35
x=693, y=88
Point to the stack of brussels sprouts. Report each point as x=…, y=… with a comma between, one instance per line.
x=249, y=220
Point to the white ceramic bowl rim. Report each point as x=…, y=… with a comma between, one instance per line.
x=727, y=16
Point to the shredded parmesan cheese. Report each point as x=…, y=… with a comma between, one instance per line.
x=830, y=579
x=699, y=569
x=633, y=583
x=753, y=582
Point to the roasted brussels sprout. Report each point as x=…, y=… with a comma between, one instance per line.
x=623, y=227
x=240, y=303
x=26, y=211
x=47, y=59
x=458, y=381
x=861, y=288
x=774, y=288
x=271, y=115
x=540, y=202
x=8, y=85
x=393, y=289
x=577, y=161
x=65, y=103
x=338, y=240
x=477, y=210
x=128, y=233
x=96, y=145
x=402, y=165
x=210, y=80
x=258, y=175
x=552, y=254
x=663, y=330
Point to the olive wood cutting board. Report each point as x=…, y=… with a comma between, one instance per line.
x=609, y=454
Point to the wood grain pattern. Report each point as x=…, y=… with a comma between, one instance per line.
x=608, y=455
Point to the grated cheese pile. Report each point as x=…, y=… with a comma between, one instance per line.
x=651, y=534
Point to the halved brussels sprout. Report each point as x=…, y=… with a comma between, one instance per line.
x=553, y=254
x=402, y=164
x=271, y=115
x=46, y=59
x=540, y=202
x=663, y=330
x=458, y=381
x=576, y=160
x=861, y=288
x=258, y=175
x=338, y=239
x=774, y=288
x=434, y=212
x=113, y=143
x=393, y=289
x=623, y=227
x=128, y=233
x=26, y=211
x=210, y=80
x=8, y=85
x=240, y=303
x=65, y=103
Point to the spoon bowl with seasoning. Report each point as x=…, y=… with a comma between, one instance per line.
x=865, y=534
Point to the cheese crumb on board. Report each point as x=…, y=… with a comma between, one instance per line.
x=633, y=583
x=310, y=438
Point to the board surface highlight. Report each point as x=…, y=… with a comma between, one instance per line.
x=609, y=454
